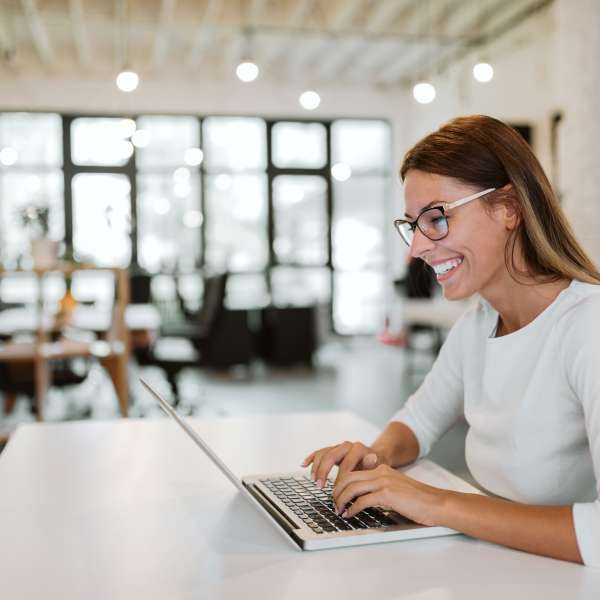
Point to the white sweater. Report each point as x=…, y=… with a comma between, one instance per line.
x=532, y=403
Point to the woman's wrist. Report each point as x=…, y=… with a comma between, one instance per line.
x=397, y=445
x=442, y=507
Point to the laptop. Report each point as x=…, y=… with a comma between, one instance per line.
x=305, y=514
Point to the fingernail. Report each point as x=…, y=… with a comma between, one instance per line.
x=344, y=514
x=320, y=484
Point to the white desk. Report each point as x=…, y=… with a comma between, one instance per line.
x=132, y=509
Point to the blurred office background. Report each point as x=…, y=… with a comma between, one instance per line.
x=220, y=179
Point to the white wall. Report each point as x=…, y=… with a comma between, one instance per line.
x=527, y=88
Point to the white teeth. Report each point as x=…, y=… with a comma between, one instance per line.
x=447, y=266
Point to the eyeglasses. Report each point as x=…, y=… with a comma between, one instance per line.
x=432, y=222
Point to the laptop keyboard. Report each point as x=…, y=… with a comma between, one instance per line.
x=315, y=506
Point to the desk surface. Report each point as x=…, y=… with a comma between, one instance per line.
x=132, y=509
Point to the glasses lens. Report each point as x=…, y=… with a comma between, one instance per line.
x=405, y=231
x=433, y=224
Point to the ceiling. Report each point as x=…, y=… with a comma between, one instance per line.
x=376, y=42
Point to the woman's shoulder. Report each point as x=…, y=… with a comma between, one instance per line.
x=579, y=311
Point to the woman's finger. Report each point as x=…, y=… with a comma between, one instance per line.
x=308, y=459
x=333, y=457
x=350, y=478
x=317, y=461
x=351, y=460
x=355, y=490
x=363, y=502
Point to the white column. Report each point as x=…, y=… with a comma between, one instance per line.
x=578, y=61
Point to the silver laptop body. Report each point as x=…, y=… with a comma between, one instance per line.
x=303, y=513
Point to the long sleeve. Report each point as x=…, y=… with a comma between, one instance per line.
x=580, y=356
x=438, y=403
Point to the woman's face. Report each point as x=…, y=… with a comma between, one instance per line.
x=476, y=238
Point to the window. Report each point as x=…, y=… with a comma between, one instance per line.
x=359, y=224
x=299, y=145
x=30, y=175
x=300, y=220
x=101, y=142
x=102, y=219
x=236, y=194
x=169, y=194
x=295, y=211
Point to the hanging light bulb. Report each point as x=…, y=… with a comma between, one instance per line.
x=424, y=92
x=309, y=100
x=247, y=71
x=483, y=72
x=127, y=81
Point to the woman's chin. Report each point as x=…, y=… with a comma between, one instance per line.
x=455, y=292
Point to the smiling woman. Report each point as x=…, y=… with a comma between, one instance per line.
x=520, y=367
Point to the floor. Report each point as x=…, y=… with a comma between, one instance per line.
x=358, y=374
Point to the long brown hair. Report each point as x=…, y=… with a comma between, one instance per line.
x=485, y=152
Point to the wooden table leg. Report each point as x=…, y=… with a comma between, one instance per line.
x=116, y=366
x=10, y=399
x=42, y=385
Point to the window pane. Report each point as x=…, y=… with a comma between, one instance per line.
x=20, y=288
x=18, y=190
x=359, y=302
x=101, y=141
x=359, y=222
x=235, y=144
x=246, y=291
x=167, y=140
x=94, y=286
x=300, y=287
x=169, y=221
x=36, y=138
x=236, y=222
x=101, y=219
x=300, y=217
x=362, y=145
x=299, y=145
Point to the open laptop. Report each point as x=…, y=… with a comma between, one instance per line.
x=305, y=514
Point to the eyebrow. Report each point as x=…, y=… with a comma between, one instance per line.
x=432, y=203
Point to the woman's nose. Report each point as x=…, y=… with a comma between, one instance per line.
x=421, y=244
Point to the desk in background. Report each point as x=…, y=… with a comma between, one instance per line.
x=133, y=509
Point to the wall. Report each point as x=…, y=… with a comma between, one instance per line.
x=532, y=71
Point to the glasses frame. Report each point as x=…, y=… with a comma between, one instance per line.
x=443, y=206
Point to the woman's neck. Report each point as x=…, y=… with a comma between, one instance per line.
x=518, y=304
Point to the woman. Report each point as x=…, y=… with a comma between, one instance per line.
x=522, y=367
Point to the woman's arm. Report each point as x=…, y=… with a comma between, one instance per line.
x=545, y=530
x=397, y=445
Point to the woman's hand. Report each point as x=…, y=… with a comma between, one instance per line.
x=349, y=456
x=386, y=488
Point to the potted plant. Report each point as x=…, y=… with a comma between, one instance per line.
x=43, y=250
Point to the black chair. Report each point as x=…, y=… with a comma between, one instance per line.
x=213, y=337
x=288, y=335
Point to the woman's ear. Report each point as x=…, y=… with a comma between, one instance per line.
x=509, y=207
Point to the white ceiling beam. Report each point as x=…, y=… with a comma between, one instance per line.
x=160, y=47
x=341, y=19
x=206, y=32
x=297, y=16
x=451, y=18
x=39, y=35
x=469, y=28
x=256, y=11
x=383, y=13
x=6, y=44
x=373, y=57
x=80, y=32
